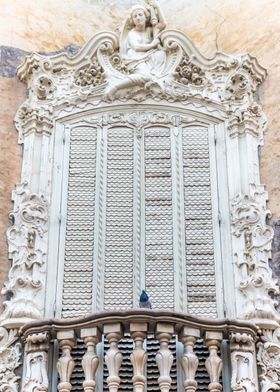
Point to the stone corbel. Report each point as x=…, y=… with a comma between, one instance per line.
x=10, y=355
x=27, y=245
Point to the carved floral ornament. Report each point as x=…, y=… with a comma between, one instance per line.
x=27, y=249
x=118, y=67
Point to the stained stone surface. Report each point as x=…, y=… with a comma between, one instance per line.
x=234, y=26
x=275, y=262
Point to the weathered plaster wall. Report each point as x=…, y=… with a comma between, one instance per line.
x=231, y=26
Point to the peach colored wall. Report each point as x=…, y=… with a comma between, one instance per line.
x=231, y=26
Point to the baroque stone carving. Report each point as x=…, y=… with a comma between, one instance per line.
x=36, y=120
x=249, y=215
x=10, y=356
x=36, y=377
x=145, y=60
x=243, y=362
x=91, y=74
x=269, y=360
x=27, y=248
x=188, y=73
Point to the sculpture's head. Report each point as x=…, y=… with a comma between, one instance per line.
x=139, y=16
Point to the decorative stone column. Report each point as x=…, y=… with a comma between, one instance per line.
x=113, y=357
x=139, y=356
x=90, y=361
x=243, y=362
x=214, y=364
x=189, y=362
x=36, y=363
x=65, y=364
x=164, y=357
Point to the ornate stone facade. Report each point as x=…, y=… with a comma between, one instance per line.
x=137, y=150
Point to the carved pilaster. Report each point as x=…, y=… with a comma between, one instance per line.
x=36, y=363
x=90, y=360
x=34, y=119
x=243, y=362
x=27, y=242
x=113, y=357
x=189, y=361
x=139, y=356
x=164, y=357
x=10, y=355
x=213, y=363
x=249, y=214
x=65, y=364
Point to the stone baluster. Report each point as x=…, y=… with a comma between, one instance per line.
x=90, y=361
x=65, y=364
x=36, y=372
x=113, y=357
x=243, y=362
x=189, y=362
x=214, y=364
x=164, y=357
x=139, y=356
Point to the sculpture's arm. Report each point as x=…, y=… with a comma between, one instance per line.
x=143, y=47
x=161, y=23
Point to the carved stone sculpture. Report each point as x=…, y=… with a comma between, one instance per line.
x=10, y=360
x=36, y=376
x=249, y=215
x=243, y=363
x=27, y=248
x=269, y=360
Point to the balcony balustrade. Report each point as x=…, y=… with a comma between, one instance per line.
x=137, y=325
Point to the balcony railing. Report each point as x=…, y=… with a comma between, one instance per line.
x=137, y=325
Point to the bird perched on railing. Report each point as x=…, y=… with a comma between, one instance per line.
x=144, y=301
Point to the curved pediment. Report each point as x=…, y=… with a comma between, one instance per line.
x=141, y=63
x=100, y=69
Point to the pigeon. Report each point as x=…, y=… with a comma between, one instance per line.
x=144, y=301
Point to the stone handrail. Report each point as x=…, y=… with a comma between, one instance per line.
x=138, y=323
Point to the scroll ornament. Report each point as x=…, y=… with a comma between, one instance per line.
x=269, y=360
x=10, y=355
x=27, y=246
x=249, y=214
